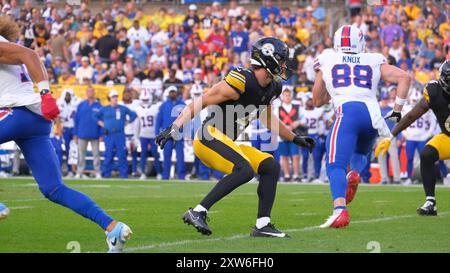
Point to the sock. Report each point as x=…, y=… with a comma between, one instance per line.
x=81, y=204
x=428, y=157
x=358, y=162
x=431, y=199
x=242, y=173
x=200, y=208
x=262, y=222
x=338, y=181
x=268, y=171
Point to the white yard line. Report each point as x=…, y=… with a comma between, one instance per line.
x=23, y=200
x=115, y=210
x=241, y=236
x=21, y=207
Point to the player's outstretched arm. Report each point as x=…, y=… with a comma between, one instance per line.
x=418, y=110
x=320, y=93
x=273, y=123
x=219, y=93
x=393, y=74
x=14, y=54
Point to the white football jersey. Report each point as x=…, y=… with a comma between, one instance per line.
x=130, y=127
x=146, y=119
x=350, y=77
x=422, y=128
x=67, y=113
x=312, y=119
x=354, y=78
x=16, y=87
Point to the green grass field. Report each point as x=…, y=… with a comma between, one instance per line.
x=380, y=215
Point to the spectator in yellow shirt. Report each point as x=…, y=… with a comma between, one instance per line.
x=412, y=11
x=444, y=27
x=99, y=29
x=66, y=77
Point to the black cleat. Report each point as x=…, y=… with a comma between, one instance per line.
x=268, y=231
x=428, y=209
x=198, y=220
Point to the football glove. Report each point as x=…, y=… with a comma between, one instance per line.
x=394, y=116
x=49, y=109
x=305, y=141
x=171, y=132
x=383, y=146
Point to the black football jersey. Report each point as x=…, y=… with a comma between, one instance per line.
x=233, y=116
x=439, y=102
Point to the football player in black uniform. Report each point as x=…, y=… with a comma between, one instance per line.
x=436, y=96
x=243, y=94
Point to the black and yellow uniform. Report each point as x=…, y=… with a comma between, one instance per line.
x=439, y=103
x=214, y=141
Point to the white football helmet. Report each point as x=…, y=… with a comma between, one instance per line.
x=145, y=97
x=349, y=39
x=196, y=91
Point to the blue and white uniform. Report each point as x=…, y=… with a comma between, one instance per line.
x=21, y=121
x=312, y=118
x=146, y=124
x=417, y=135
x=67, y=116
x=132, y=140
x=352, y=81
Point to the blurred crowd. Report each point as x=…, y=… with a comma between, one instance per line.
x=174, y=54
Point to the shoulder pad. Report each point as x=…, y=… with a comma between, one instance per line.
x=237, y=78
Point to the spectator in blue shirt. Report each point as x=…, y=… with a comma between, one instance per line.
x=86, y=130
x=267, y=8
x=113, y=119
x=139, y=52
x=168, y=112
x=240, y=40
x=319, y=12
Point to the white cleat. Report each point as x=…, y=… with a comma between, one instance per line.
x=318, y=181
x=143, y=177
x=340, y=218
x=408, y=182
x=4, y=211
x=98, y=176
x=117, y=238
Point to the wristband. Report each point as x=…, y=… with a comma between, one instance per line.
x=400, y=101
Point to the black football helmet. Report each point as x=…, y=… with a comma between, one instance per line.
x=444, y=76
x=273, y=55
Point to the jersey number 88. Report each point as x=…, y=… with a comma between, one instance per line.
x=341, y=74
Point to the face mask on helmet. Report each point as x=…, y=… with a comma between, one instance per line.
x=273, y=60
x=444, y=76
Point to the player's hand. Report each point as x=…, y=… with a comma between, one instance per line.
x=170, y=133
x=304, y=141
x=49, y=109
x=394, y=116
x=383, y=146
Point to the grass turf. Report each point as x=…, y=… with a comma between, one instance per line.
x=380, y=215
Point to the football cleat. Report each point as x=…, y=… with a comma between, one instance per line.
x=4, y=211
x=198, y=220
x=268, y=231
x=428, y=209
x=353, y=180
x=339, y=219
x=117, y=238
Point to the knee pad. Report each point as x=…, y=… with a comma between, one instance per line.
x=269, y=166
x=245, y=170
x=429, y=154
